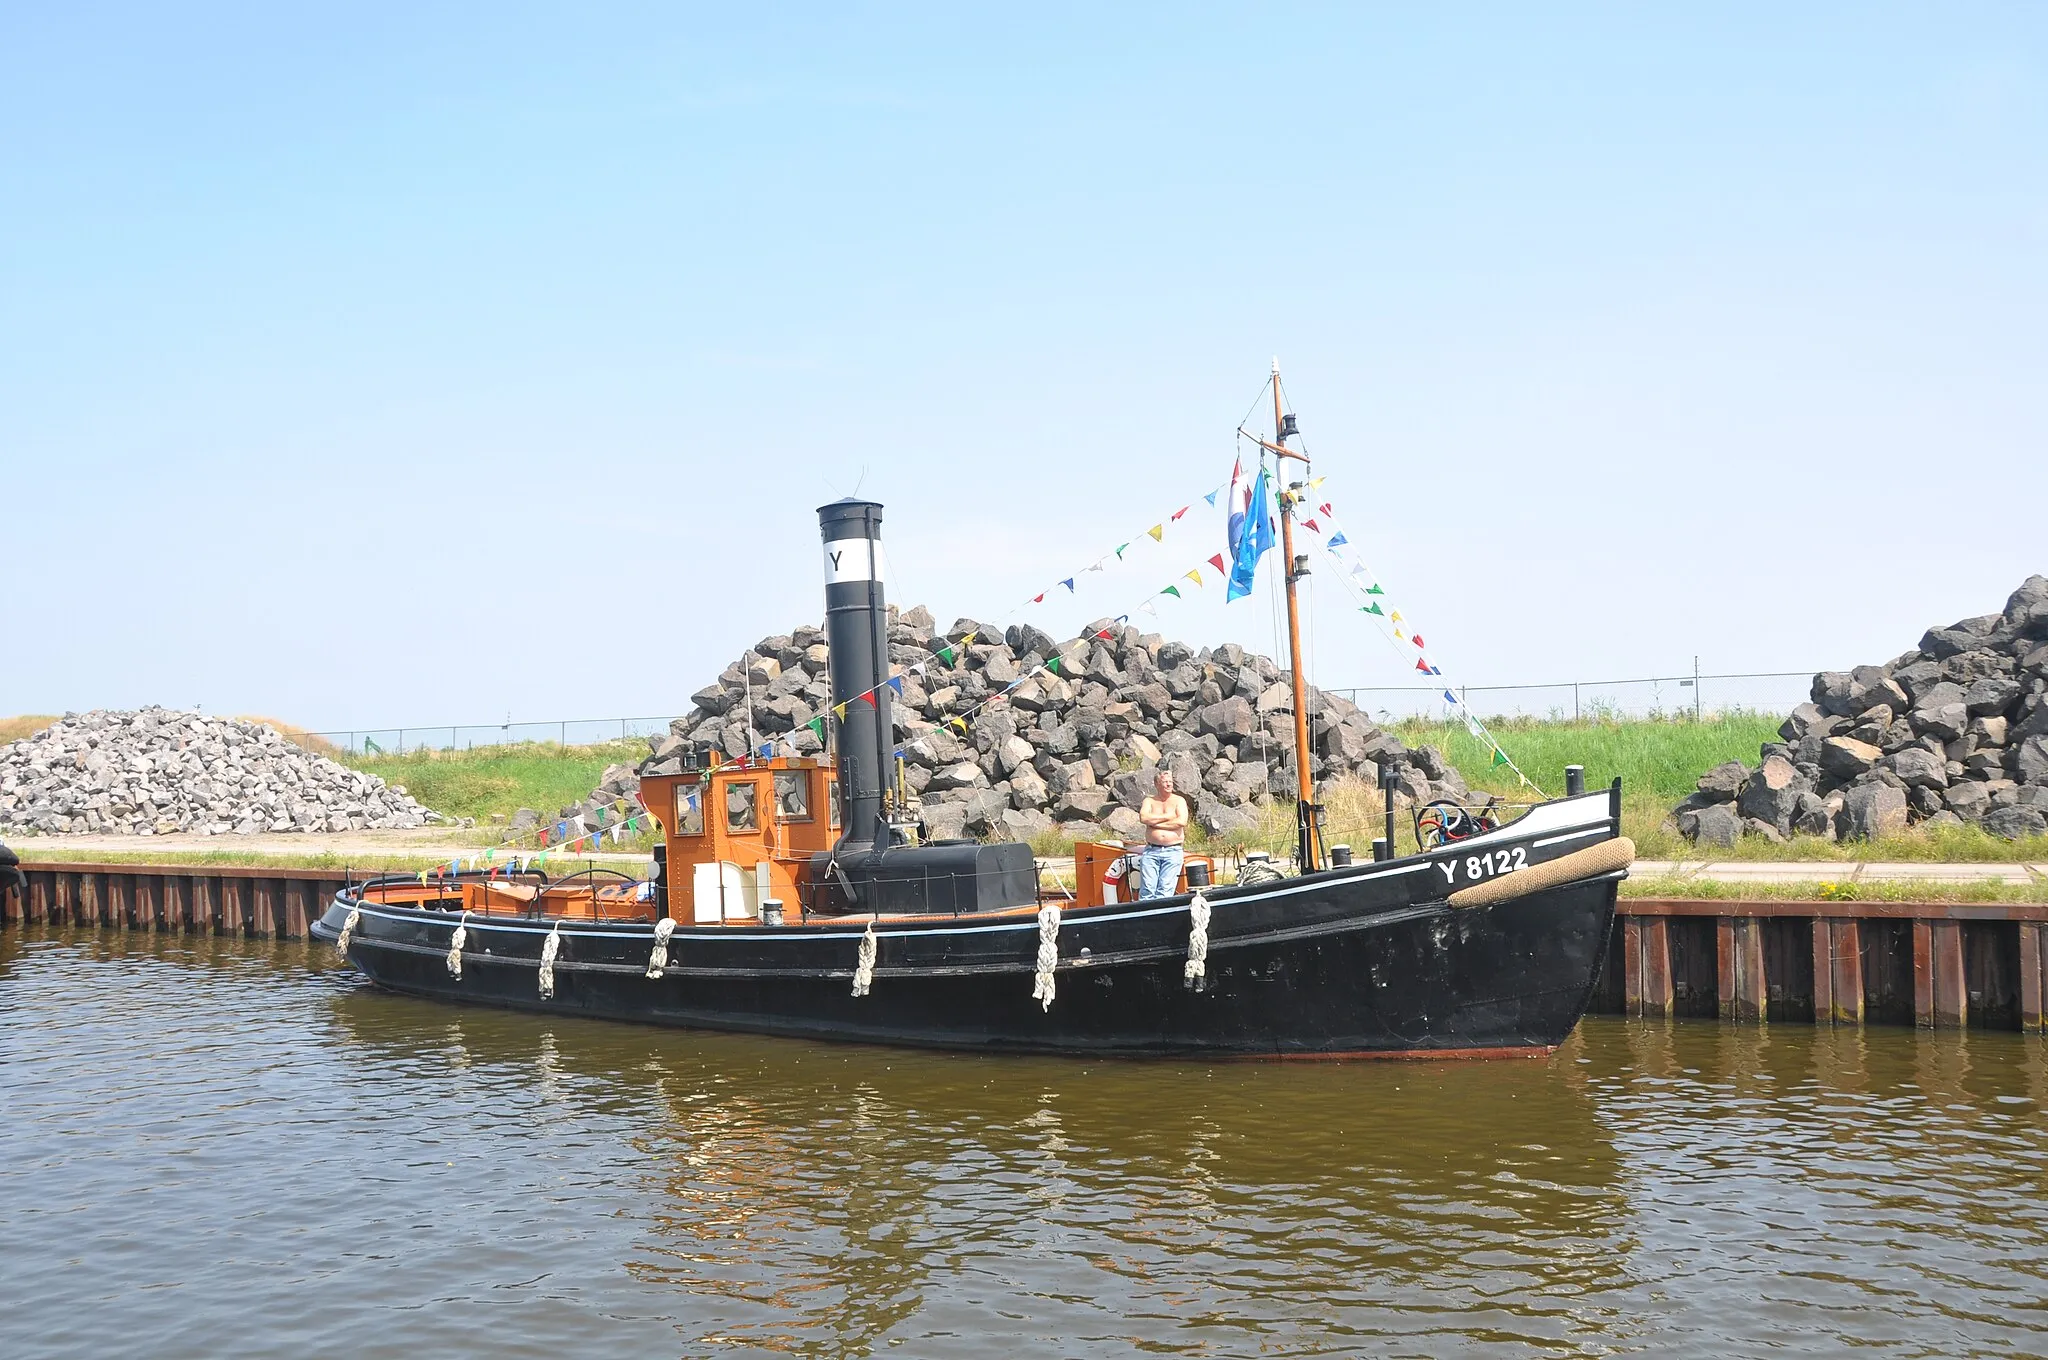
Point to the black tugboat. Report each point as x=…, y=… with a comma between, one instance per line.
x=790, y=896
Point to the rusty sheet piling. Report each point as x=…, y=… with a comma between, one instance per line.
x=1939, y=965
x=259, y=902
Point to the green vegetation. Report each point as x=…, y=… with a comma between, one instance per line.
x=1661, y=756
x=1871, y=890
x=1659, y=761
x=544, y=776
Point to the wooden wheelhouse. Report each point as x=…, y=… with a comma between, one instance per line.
x=736, y=837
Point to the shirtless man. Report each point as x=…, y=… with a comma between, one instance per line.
x=1165, y=815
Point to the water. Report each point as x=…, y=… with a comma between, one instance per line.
x=213, y=1148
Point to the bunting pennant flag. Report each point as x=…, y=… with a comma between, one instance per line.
x=1211, y=498
x=896, y=683
x=1171, y=590
x=867, y=698
x=1097, y=567
x=1500, y=758
x=1422, y=666
x=1053, y=664
x=1370, y=609
x=1182, y=511
x=1374, y=589
x=1149, y=607
x=1417, y=639
x=1195, y=575
x=1337, y=540
x=1039, y=598
x=817, y=726
x=945, y=654
x=1217, y=562
x=839, y=712
x=1311, y=526
x=1120, y=551
x=1069, y=584
x=1158, y=532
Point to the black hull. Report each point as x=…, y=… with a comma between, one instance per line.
x=1357, y=962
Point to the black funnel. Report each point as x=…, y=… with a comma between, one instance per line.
x=857, y=631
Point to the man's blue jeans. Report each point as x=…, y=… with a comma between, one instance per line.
x=1159, y=870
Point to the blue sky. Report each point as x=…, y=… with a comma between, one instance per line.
x=420, y=364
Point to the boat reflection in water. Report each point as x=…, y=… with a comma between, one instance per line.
x=795, y=1193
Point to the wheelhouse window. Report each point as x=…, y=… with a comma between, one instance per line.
x=742, y=811
x=689, y=820
x=793, y=796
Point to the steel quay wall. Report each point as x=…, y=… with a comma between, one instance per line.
x=1938, y=965
x=261, y=903
x=1933, y=964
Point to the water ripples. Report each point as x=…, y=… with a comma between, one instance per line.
x=216, y=1148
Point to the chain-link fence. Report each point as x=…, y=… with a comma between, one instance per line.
x=464, y=736
x=1663, y=696
x=1652, y=696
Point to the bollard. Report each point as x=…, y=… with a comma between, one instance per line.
x=1574, y=780
x=1340, y=857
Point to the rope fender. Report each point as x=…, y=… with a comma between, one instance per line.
x=348, y=930
x=657, y=958
x=864, y=966
x=548, y=950
x=455, y=943
x=1048, y=954
x=1196, y=969
x=1590, y=862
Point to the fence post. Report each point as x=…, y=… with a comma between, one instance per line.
x=1575, y=701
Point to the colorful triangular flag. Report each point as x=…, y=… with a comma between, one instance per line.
x=1158, y=532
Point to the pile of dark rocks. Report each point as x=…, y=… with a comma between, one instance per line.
x=1074, y=748
x=158, y=771
x=1953, y=732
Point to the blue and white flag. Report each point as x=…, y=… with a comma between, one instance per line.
x=1251, y=531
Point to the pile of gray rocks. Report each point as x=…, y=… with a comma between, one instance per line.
x=1074, y=747
x=158, y=771
x=1953, y=732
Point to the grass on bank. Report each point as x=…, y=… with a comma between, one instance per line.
x=1868, y=890
x=544, y=776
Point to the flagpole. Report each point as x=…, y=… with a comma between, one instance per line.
x=1305, y=838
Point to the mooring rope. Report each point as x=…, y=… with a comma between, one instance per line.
x=864, y=966
x=657, y=958
x=455, y=943
x=348, y=929
x=549, y=948
x=1197, y=966
x=1048, y=954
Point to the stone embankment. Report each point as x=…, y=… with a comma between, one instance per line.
x=1953, y=732
x=160, y=771
x=1073, y=748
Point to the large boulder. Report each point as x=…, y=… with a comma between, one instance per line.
x=1873, y=810
x=1771, y=795
x=2016, y=823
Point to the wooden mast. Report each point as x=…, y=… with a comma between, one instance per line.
x=1306, y=848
